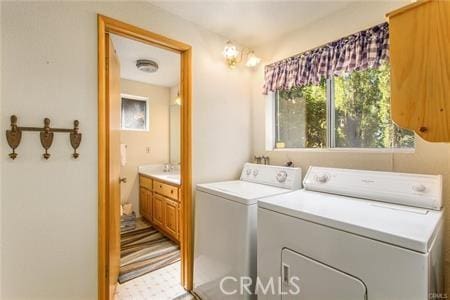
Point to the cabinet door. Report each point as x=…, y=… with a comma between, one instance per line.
x=158, y=210
x=171, y=214
x=143, y=202
x=420, y=68
x=150, y=206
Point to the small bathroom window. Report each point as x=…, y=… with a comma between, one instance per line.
x=134, y=113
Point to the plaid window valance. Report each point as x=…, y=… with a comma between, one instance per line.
x=365, y=49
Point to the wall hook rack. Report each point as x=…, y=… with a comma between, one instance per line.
x=46, y=133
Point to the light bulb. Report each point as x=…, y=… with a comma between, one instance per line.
x=252, y=60
x=230, y=51
x=178, y=99
x=231, y=54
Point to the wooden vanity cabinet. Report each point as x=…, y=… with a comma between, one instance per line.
x=159, y=203
x=142, y=201
x=146, y=197
x=171, y=218
x=420, y=68
x=165, y=189
x=158, y=207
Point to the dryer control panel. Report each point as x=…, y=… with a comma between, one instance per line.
x=284, y=177
x=417, y=190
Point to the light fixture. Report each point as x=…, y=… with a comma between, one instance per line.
x=234, y=56
x=178, y=99
x=231, y=54
x=146, y=65
x=252, y=60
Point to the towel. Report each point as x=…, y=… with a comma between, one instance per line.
x=123, y=154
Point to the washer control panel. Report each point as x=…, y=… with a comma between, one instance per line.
x=401, y=188
x=285, y=177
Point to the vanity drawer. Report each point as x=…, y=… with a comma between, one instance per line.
x=146, y=182
x=165, y=189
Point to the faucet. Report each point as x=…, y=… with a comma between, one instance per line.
x=167, y=168
x=265, y=160
x=171, y=167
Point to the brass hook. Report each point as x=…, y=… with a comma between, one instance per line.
x=75, y=138
x=46, y=134
x=13, y=136
x=46, y=138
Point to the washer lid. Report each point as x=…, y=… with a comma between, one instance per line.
x=241, y=191
x=408, y=227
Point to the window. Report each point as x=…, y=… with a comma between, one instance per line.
x=301, y=117
x=134, y=113
x=350, y=111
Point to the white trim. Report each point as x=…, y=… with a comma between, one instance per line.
x=331, y=115
x=348, y=150
x=133, y=97
x=147, y=111
x=270, y=121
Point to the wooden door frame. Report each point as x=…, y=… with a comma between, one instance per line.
x=109, y=25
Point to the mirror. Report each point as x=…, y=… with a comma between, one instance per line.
x=174, y=125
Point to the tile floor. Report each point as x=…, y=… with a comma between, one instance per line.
x=162, y=284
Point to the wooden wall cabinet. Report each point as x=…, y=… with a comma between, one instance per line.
x=420, y=68
x=160, y=203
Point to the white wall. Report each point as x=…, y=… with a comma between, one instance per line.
x=49, y=208
x=428, y=158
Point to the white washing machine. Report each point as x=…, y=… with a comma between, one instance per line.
x=225, y=228
x=351, y=235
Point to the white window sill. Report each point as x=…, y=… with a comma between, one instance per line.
x=348, y=150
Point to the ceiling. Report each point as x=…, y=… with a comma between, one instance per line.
x=251, y=23
x=129, y=51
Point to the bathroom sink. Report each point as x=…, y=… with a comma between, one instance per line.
x=174, y=178
x=157, y=171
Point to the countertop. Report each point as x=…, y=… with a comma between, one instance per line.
x=157, y=172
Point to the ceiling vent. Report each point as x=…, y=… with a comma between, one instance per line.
x=146, y=65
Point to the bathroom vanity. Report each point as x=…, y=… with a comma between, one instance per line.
x=160, y=201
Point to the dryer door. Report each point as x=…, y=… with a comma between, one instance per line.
x=306, y=279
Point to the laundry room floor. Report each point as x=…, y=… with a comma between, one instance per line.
x=162, y=284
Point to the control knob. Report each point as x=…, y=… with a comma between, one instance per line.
x=420, y=188
x=282, y=176
x=323, y=178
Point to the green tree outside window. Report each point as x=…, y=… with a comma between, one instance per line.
x=350, y=111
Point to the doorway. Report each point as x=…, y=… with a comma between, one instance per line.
x=110, y=156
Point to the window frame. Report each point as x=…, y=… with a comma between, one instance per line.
x=271, y=129
x=147, y=112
